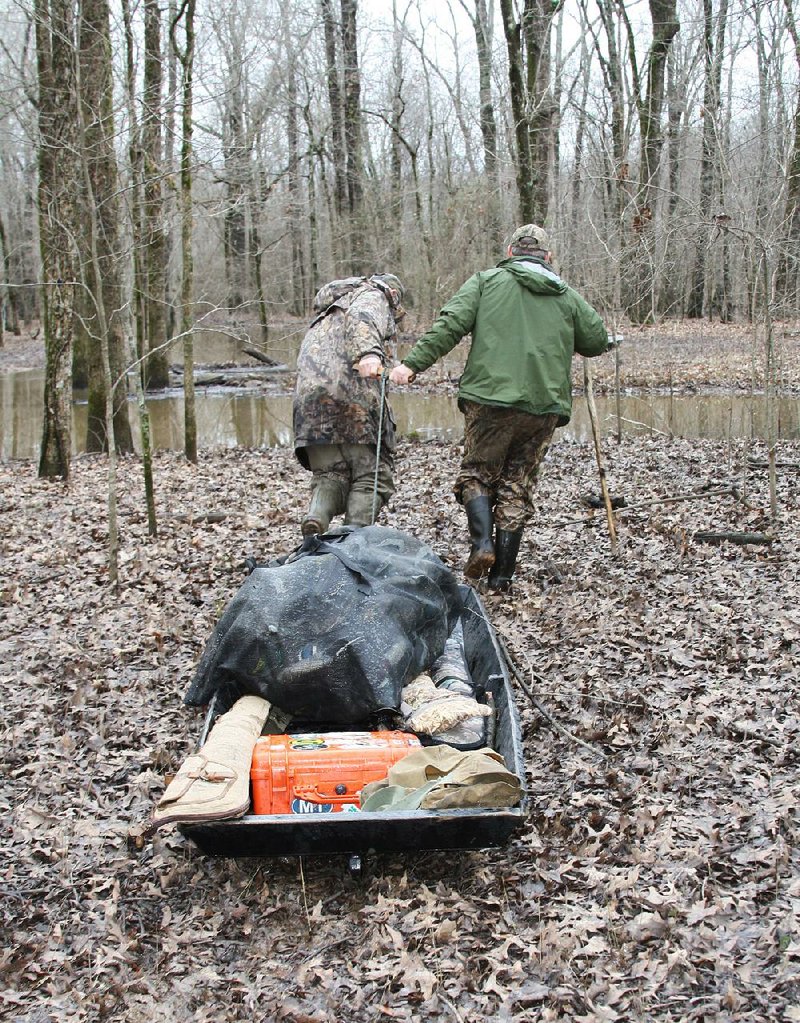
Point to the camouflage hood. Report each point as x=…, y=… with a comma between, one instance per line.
x=333, y=291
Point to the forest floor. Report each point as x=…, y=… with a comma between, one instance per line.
x=657, y=877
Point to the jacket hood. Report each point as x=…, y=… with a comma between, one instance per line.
x=535, y=275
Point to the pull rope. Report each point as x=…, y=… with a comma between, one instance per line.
x=384, y=378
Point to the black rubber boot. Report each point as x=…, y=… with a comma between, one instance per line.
x=506, y=548
x=481, y=527
x=327, y=500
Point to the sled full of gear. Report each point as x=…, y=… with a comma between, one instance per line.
x=358, y=701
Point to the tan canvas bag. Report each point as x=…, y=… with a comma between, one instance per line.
x=214, y=784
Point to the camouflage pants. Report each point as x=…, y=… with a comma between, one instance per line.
x=351, y=467
x=503, y=449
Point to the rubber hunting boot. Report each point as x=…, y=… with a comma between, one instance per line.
x=359, y=508
x=481, y=527
x=326, y=501
x=506, y=548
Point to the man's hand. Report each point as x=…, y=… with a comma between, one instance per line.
x=402, y=375
x=370, y=366
x=614, y=341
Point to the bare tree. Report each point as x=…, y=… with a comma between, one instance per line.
x=257, y=197
x=482, y=26
x=154, y=239
x=789, y=267
x=101, y=209
x=534, y=113
x=294, y=205
x=185, y=54
x=649, y=99
x=95, y=248
x=617, y=160
x=57, y=201
x=9, y=306
x=581, y=130
x=398, y=107
x=333, y=70
x=4, y=293
x=236, y=154
x=713, y=38
x=359, y=250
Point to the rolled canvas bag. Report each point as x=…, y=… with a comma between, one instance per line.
x=214, y=783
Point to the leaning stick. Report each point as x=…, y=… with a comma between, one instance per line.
x=587, y=386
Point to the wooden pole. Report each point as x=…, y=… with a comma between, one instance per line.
x=588, y=388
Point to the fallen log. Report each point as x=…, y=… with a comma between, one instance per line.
x=754, y=464
x=197, y=517
x=625, y=507
x=256, y=353
x=740, y=538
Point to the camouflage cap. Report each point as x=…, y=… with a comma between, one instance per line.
x=389, y=281
x=530, y=236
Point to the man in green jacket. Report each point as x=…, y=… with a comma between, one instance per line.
x=526, y=325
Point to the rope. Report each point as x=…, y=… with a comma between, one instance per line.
x=384, y=378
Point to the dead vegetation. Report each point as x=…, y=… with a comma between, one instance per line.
x=657, y=879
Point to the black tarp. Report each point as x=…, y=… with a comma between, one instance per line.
x=336, y=630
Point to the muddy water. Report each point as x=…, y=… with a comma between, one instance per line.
x=229, y=417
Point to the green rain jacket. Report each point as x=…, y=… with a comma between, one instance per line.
x=526, y=324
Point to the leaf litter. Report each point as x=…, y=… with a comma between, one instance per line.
x=656, y=878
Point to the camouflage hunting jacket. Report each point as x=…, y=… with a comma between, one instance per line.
x=332, y=403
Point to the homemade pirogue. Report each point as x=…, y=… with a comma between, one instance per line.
x=378, y=605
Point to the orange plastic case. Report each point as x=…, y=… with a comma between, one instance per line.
x=322, y=772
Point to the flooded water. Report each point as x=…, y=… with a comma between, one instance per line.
x=230, y=417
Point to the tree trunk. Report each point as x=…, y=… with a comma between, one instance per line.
x=532, y=105
x=482, y=26
x=393, y=244
x=699, y=298
x=315, y=161
x=96, y=101
x=359, y=251
x=185, y=56
x=789, y=265
x=138, y=338
x=58, y=183
x=236, y=174
x=153, y=231
x=641, y=300
x=296, y=233
x=337, y=120
x=577, y=166
x=516, y=82
x=257, y=197
x=96, y=249
x=676, y=107
x=9, y=314
x=618, y=176
x=483, y=41
x=136, y=204
x=170, y=199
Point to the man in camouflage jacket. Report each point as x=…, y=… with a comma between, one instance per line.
x=337, y=402
x=526, y=324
